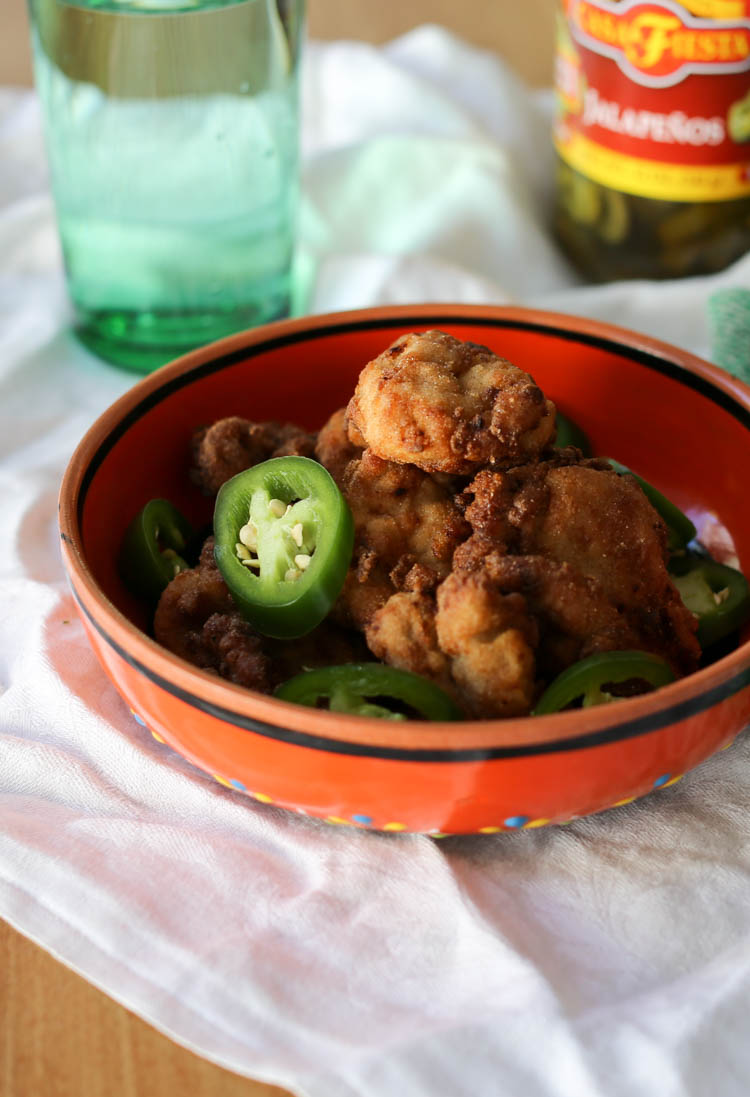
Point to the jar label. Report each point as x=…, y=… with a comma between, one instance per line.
x=654, y=97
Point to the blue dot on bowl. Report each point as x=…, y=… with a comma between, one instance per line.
x=515, y=821
x=662, y=780
x=238, y=785
x=365, y=820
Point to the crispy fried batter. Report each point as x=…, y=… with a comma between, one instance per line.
x=447, y=406
x=573, y=614
x=501, y=631
x=581, y=513
x=407, y=527
x=491, y=638
x=400, y=509
x=402, y=633
x=477, y=643
x=232, y=445
x=197, y=620
x=366, y=589
x=334, y=447
x=235, y=652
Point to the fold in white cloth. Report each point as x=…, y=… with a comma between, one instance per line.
x=609, y=957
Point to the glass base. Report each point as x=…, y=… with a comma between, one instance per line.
x=143, y=341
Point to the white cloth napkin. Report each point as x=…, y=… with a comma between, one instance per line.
x=609, y=957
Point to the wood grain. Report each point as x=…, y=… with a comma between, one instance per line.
x=63, y=1038
x=60, y=1036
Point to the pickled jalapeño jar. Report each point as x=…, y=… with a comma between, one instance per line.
x=653, y=136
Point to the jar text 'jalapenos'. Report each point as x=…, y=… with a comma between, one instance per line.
x=653, y=140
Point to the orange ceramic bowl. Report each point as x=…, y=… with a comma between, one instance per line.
x=680, y=422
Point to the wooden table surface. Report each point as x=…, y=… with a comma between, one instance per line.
x=61, y=1037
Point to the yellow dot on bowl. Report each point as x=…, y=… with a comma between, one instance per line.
x=727, y=745
x=261, y=796
x=221, y=780
x=394, y=826
x=673, y=781
x=490, y=830
x=627, y=800
x=335, y=819
x=436, y=834
x=535, y=823
x=157, y=737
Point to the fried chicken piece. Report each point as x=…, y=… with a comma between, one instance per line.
x=402, y=633
x=334, y=447
x=447, y=406
x=407, y=527
x=573, y=615
x=366, y=589
x=605, y=525
x=197, y=620
x=477, y=643
x=234, y=444
x=491, y=640
x=582, y=513
x=235, y=652
x=399, y=508
x=495, y=636
x=499, y=504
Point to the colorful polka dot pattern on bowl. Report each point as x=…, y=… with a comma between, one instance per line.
x=512, y=822
x=361, y=821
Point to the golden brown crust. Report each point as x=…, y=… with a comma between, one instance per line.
x=475, y=643
x=400, y=509
x=407, y=527
x=402, y=633
x=334, y=447
x=582, y=514
x=366, y=589
x=197, y=620
x=232, y=445
x=491, y=639
x=447, y=406
x=572, y=613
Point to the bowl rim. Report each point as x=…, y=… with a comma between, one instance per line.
x=249, y=710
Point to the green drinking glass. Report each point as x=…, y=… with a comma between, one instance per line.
x=172, y=136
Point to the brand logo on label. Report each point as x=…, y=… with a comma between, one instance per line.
x=658, y=44
x=717, y=9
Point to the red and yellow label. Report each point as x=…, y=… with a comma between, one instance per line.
x=654, y=97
